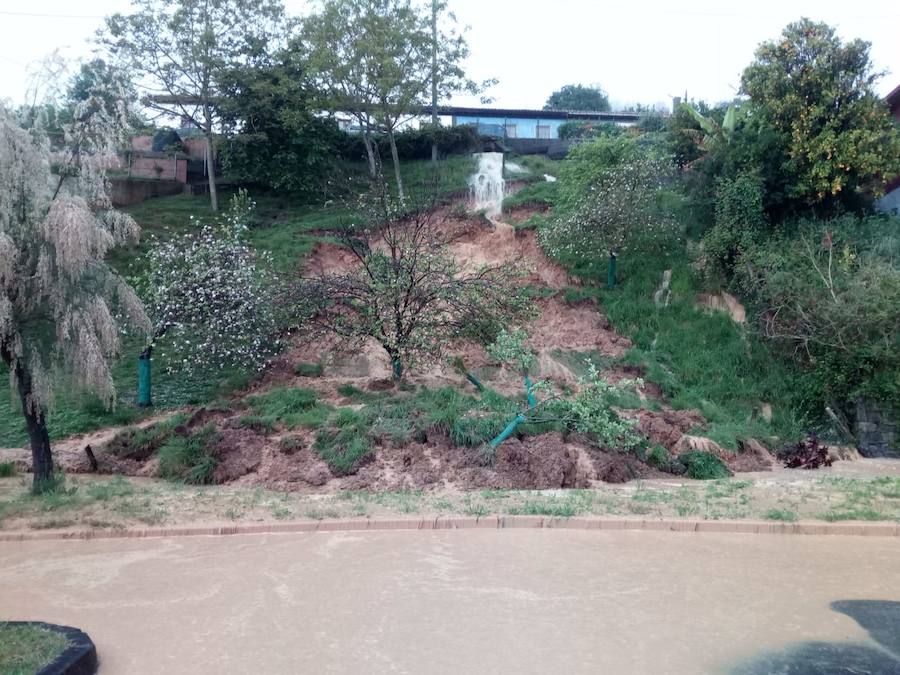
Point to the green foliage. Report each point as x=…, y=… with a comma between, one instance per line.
x=7, y=469
x=190, y=458
x=536, y=194
x=578, y=97
x=25, y=650
x=591, y=411
x=830, y=291
x=344, y=444
x=833, y=153
x=702, y=465
x=616, y=210
x=415, y=144
x=658, y=457
x=588, y=130
x=509, y=348
x=290, y=407
x=140, y=443
x=739, y=224
x=309, y=369
x=275, y=139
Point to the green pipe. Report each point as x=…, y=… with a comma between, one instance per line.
x=397, y=367
x=611, y=272
x=145, y=391
x=508, y=431
x=474, y=380
x=528, y=386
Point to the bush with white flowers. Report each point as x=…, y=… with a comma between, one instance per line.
x=212, y=296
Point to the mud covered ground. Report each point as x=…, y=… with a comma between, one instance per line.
x=562, y=335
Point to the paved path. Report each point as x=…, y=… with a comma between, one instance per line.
x=547, y=601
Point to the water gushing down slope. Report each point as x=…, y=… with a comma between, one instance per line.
x=487, y=187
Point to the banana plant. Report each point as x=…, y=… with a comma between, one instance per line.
x=715, y=133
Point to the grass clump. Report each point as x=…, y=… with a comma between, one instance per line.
x=190, y=458
x=26, y=649
x=346, y=442
x=702, y=465
x=117, y=487
x=290, y=407
x=783, y=515
x=139, y=443
x=7, y=469
x=309, y=369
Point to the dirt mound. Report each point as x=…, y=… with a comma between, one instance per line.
x=666, y=427
x=539, y=462
x=752, y=456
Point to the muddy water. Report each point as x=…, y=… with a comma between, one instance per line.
x=460, y=602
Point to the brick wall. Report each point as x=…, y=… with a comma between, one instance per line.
x=159, y=167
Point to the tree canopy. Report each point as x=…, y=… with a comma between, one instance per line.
x=578, y=97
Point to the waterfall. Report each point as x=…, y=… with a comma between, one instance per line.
x=487, y=187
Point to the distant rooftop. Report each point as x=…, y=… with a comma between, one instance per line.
x=460, y=111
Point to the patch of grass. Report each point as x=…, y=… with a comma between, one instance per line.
x=784, y=515
x=345, y=443
x=291, y=444
x=856, y=513
x=702, y=465
x=265, y=425
x=309, y=369
x=117, y=487
x=290, y=407
x=190, y=458
x=140, y=443
x=25, y=650
x=577, y=295
x=539, y=193
x=7, y=469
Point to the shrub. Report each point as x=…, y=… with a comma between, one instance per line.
x=702, y=465
x=139, y=444
x=658, y=457
x=7, y=469
x=190, y=458
x=738, y=225
x=346, y=441
x=829, y=295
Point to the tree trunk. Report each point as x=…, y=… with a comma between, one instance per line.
x=434, y=96
x=211, y=172
x=36, y=424
x=370, y=152
x=396, y=157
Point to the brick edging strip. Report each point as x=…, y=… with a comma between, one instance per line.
x=470, y=522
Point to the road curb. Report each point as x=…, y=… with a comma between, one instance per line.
x=472, y=522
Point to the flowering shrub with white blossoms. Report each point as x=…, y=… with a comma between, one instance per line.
x=212, y=296
x=616, y=213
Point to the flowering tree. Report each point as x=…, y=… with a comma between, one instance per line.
x=615, y=213
x=60, y=303
x=211, y=295
x=407, y=291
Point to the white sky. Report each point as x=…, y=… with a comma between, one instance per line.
x=639, y=51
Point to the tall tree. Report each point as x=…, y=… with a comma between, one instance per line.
x=376, y=61
x=578, y=97
x=179, y=51
x=817, y=94
x=58, y=298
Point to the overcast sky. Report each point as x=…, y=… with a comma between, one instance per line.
x=644, y=51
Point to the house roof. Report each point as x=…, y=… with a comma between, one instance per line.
x=893, y=99
x=500, y=113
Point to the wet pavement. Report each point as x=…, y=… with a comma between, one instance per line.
x=469, y=602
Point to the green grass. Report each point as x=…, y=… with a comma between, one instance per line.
x=7, y=469
x=538, y=194
x=190, y=458
x=290, y=407
x=25, y=650
x=783, y=515
x=703, y=465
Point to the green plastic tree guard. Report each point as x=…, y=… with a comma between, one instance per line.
x=145, y=392
x=397, y=367
x=508, y=431
x=611, y=273
x=528, y=385
x=475, y=381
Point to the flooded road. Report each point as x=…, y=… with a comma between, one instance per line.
x=467, y=601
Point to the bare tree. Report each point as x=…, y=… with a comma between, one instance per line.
x=178, y=51
x=59, y=301
x=406, y=291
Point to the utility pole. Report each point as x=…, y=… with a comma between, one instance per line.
x=434, y=96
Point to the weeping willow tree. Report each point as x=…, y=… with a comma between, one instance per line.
x=61, y=307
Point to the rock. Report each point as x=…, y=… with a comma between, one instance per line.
x=317, y=475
